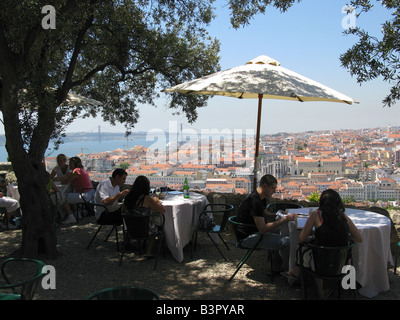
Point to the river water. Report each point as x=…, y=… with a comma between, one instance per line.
x=71, y=149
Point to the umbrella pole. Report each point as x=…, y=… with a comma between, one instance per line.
x=260, y=96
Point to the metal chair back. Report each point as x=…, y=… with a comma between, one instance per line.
x=124, y=293
x=329, y=261
x=239, y=237
x=208, y=212
x=328, y=264
x=136, y=226
x=22, y=277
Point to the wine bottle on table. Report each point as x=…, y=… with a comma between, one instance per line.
x=186, y=189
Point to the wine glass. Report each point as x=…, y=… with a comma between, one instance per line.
x=158, y=192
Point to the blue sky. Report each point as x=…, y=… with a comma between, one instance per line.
x=307, y=39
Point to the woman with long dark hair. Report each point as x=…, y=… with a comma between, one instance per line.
x=333, y=228
x=139, y=197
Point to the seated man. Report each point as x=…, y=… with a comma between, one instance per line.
x=108, y=193
x=12, y=207
x=251, y=211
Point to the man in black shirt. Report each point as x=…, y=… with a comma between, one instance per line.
x=252, y=212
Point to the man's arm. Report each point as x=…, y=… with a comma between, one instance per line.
x=268, y=227
x=110, y=200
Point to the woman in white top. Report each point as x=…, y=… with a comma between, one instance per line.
x=58, y=173
x=61, y=169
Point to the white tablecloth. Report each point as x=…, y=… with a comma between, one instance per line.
x=370, y=257
x=180, y=217
x=63, y=190
x=13, y=192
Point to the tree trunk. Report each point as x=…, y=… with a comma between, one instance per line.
x=38, y=221
x=38, y=215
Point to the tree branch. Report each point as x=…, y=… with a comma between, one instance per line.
x=67, y=84
x=101, y=67
x=7, y=60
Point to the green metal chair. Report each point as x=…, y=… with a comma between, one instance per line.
x=124, y=293
x=328, y=262
x=85, y=204
x=213, y=208
x=396, y=257
x=92, y=205
x=22, y=276
x=3, y=213
x=136, y=226
x=249, y=251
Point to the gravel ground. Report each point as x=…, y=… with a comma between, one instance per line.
x=80, y=272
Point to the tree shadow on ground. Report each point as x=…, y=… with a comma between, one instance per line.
x=80, y=272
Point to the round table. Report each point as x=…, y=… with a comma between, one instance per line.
x=181, y=215
x=371, y=257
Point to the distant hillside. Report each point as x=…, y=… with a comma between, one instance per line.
x=92, y=136
x=95, y=136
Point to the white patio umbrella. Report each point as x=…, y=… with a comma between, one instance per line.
x=74, y=99
x=261, y=78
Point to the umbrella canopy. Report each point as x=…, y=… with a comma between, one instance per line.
x=78, y=100
x=261, y=78
x=72, y=99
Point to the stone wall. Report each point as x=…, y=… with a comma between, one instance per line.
x=5, y=166
x=395, y=217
